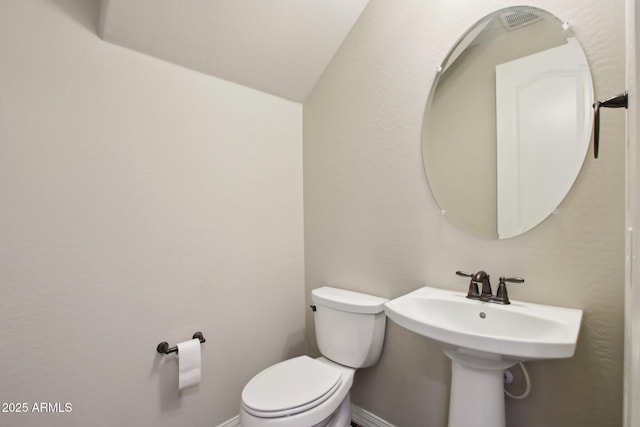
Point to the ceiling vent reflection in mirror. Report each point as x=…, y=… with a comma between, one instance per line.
x=518, y=17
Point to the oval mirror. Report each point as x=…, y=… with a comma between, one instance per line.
x=508, y=122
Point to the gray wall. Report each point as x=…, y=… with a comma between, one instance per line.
x=371, y=224
x=139, y=202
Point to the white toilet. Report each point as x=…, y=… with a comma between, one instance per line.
x=306, y=392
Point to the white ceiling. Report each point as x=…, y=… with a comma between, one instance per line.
x=276, y=46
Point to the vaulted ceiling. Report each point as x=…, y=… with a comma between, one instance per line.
x=276, y=46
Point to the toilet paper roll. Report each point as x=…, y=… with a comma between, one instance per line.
x=189, y=363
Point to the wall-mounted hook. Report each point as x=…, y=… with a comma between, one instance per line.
x=617, y=101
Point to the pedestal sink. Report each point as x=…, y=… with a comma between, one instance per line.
x=483, y=339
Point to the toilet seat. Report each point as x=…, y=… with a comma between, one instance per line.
x=290, y=387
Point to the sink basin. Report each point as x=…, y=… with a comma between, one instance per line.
x=482, y=339
x=519, y=331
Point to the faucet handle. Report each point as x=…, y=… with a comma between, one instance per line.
x=463, y=274
x=502, y=297
x=474, y=292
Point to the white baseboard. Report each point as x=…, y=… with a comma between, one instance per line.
x=367, y=419
x=233, y=422
x=358, y=415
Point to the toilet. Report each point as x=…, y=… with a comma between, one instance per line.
x=307, y=392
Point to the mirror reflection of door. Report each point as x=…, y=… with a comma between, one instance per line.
x=542, y=134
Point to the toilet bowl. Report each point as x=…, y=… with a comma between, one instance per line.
x=297, y=392
x=307, y=392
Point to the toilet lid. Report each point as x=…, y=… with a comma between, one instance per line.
x=290, y=387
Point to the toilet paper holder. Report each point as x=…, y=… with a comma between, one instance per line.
x=163, y=347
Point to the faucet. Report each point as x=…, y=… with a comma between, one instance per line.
x=482, y=278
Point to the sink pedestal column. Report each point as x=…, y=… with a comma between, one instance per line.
x=477, y=390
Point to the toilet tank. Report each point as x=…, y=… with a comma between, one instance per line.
x=349, y=326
